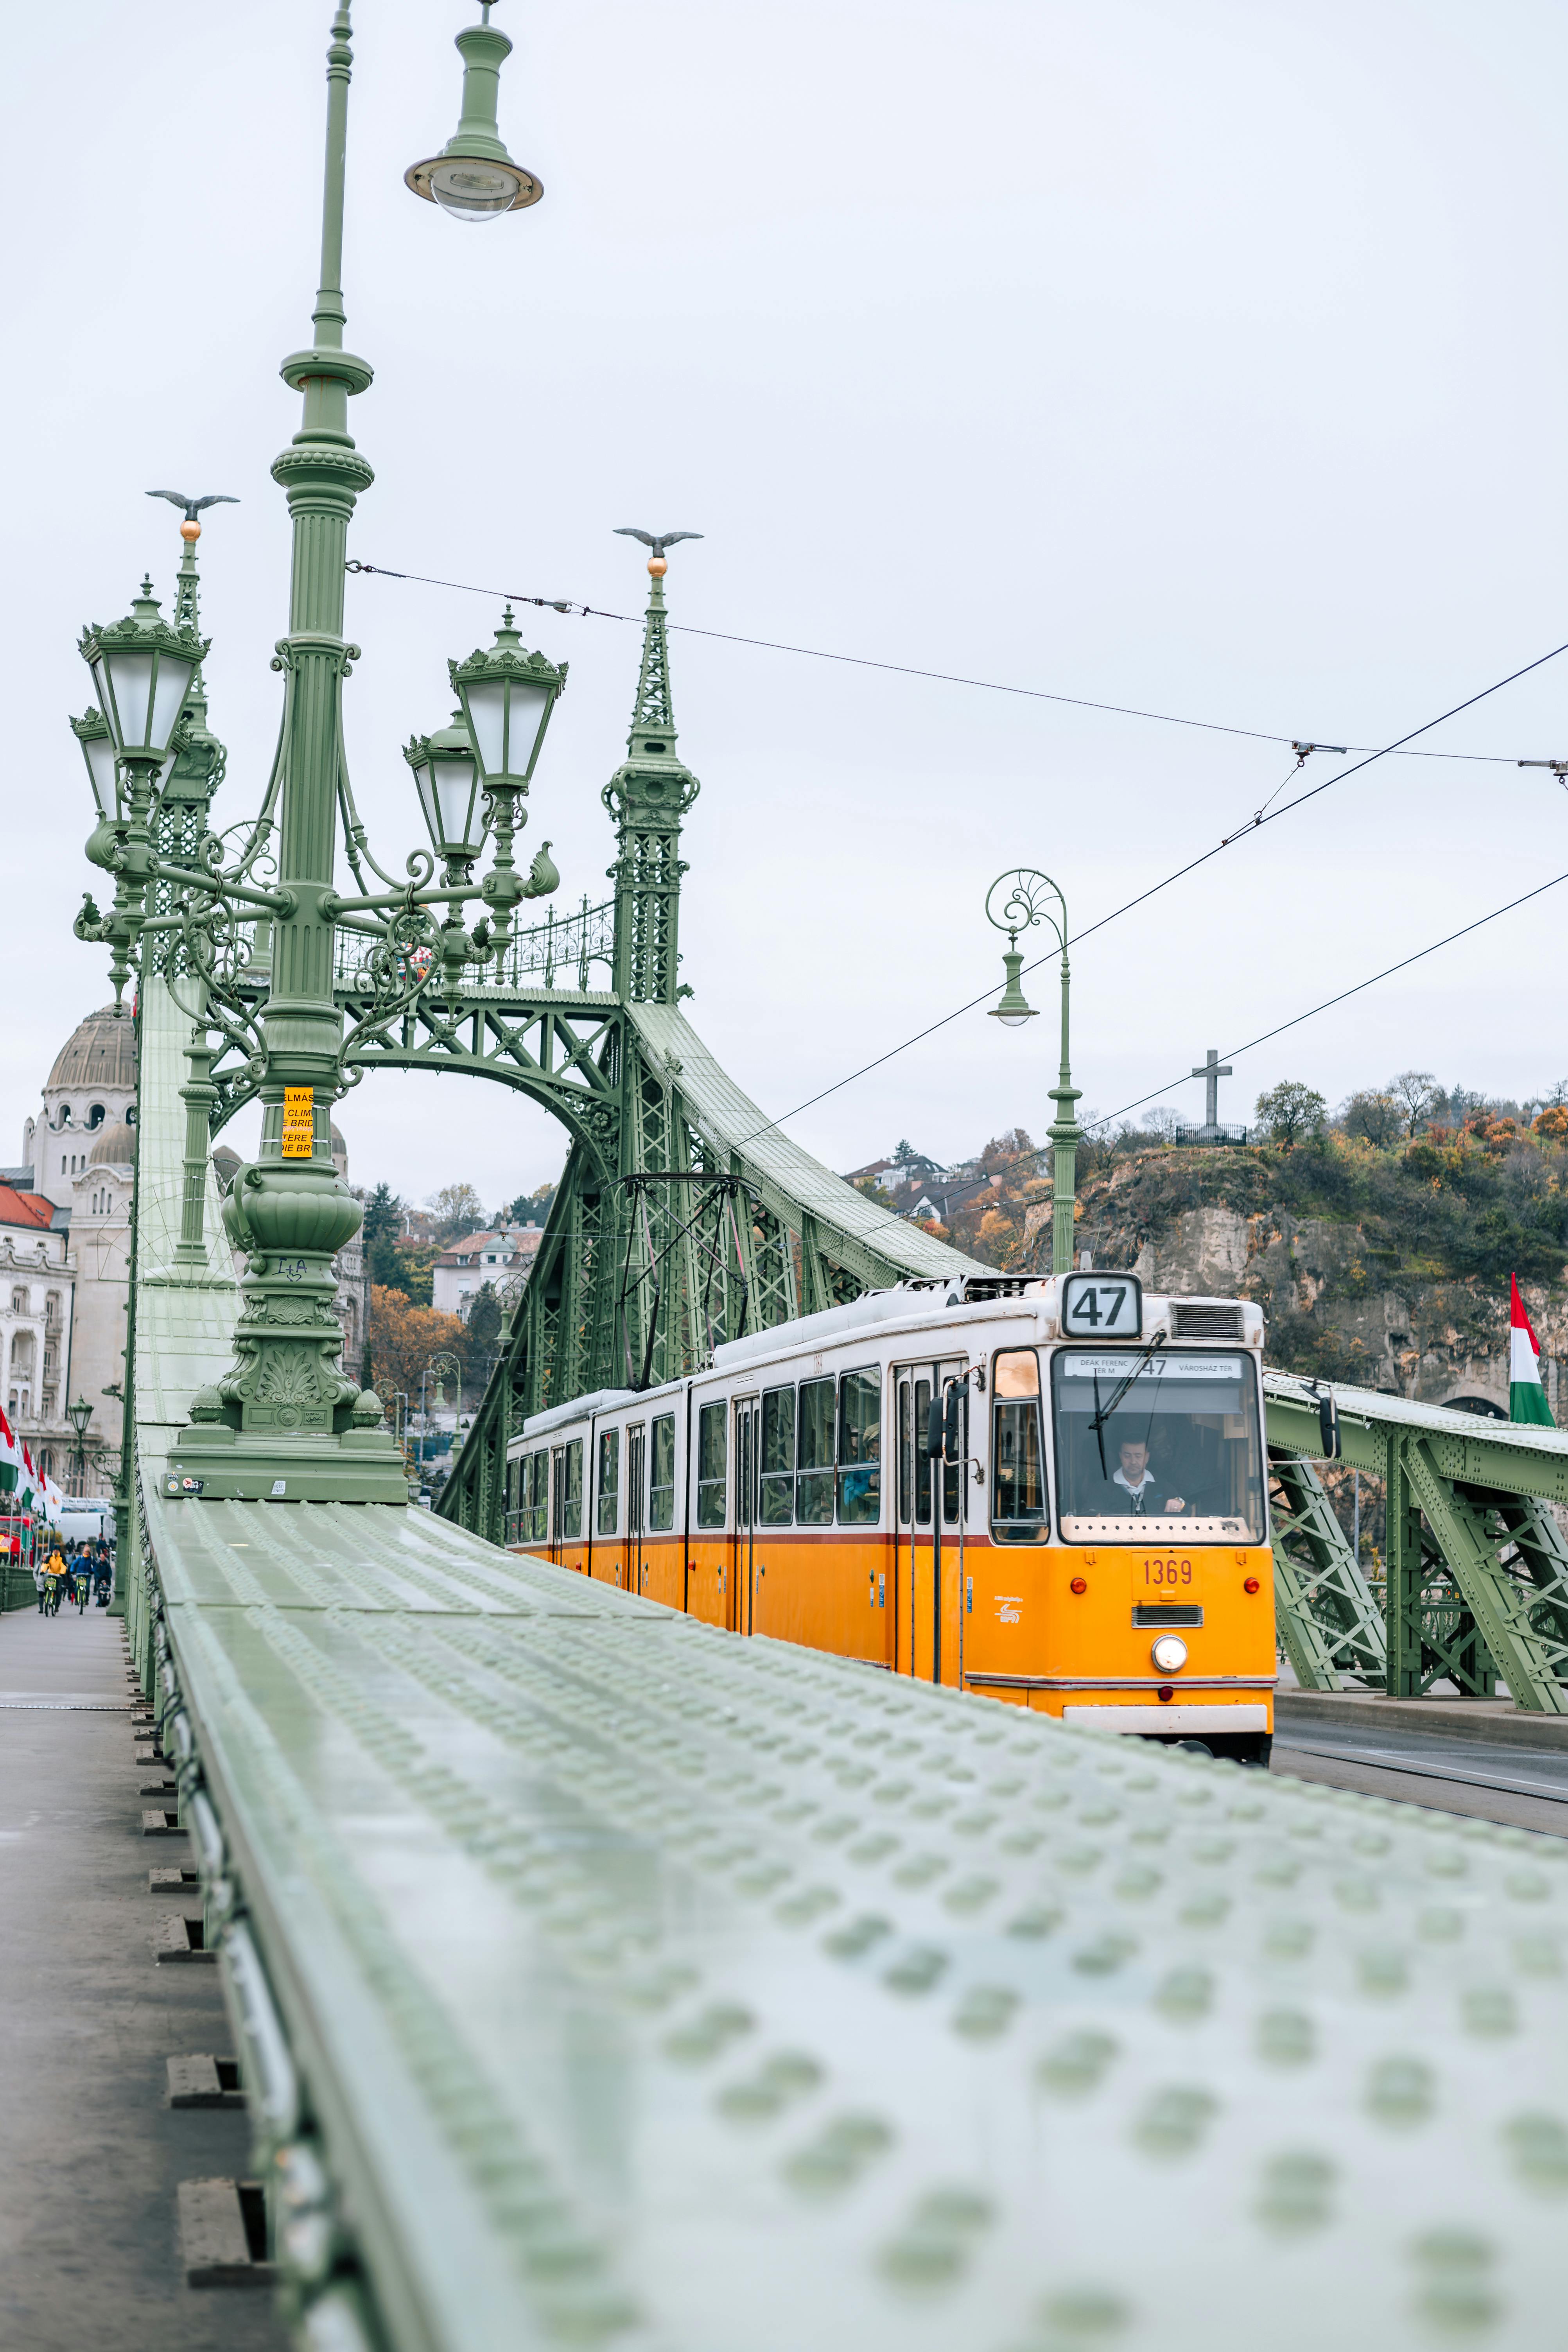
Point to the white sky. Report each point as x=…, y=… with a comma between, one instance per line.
x=1209, y=359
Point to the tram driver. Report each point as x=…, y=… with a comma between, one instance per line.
x=1138, y=1483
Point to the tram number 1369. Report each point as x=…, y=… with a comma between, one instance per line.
x=1102, y=1307
x=1167, y=1572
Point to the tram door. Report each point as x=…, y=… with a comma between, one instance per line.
x=927, y=1638
x=741, y=1614
x=635, y=1574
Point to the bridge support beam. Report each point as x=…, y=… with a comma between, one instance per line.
x=1329, y=1618
x=1477, y=1566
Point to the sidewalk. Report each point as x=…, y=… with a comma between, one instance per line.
x=91, y=2152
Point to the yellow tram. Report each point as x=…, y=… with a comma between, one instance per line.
x=1052, y=1491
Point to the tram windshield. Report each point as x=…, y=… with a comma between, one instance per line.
x=1173, y=1450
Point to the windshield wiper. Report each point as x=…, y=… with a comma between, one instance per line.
x=1103, y=1412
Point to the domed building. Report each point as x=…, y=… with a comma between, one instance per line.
x=91, y=1086
x=65, y=1252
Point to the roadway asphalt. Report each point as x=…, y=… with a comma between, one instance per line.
x=91, y=2152
x=1524, y=1788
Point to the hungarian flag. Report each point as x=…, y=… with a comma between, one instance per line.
x=1526, y=1396
x=10, y=1455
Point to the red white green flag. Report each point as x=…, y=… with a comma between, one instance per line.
x=1526, y=1396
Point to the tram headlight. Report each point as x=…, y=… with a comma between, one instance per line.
x=1170, y=1654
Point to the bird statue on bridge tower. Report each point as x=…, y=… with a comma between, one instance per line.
x=656, y=540
x=191, y=529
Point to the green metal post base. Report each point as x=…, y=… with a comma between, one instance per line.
x=230, y=1466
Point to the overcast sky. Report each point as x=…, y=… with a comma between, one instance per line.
x=1209, y=358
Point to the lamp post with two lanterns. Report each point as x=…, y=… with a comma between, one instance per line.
x=285, y=1420
x=1020, y=901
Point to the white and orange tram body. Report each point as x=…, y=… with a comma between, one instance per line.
x=1049, y=1491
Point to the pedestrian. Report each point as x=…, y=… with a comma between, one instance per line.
x=41, y=1585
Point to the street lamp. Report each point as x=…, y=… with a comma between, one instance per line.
x=142, y=668
x=1028, y=898
x=473, y=178
x=438, y=1367
x=102, y=763
x=447, y=776
x=78, y=1415
x=508, y=695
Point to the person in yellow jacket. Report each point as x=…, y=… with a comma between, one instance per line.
x=55, y=1582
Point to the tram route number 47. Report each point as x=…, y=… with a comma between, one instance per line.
x=1102, y=1307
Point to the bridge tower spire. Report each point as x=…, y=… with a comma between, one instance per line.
x=648, y=796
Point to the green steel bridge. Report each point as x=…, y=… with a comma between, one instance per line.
x=602, y=1979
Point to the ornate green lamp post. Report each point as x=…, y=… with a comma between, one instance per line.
x=1018, y=902
x=286, y=1421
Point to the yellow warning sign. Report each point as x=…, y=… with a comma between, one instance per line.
x=298, y=1122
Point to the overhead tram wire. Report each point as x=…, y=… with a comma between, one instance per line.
x=571, y=607
x=1263, y=816
x=1234, y=1051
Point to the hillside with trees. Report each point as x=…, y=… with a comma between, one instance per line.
x=1378, y=1239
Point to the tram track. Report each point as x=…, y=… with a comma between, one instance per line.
x=1504, y=1784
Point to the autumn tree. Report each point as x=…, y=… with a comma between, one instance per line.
x=459, y=1211
x=405, y=1338
x=1289, y=1111
x=1416, y=1092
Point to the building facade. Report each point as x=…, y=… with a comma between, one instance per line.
x=74, y=1175
x=505, y=1259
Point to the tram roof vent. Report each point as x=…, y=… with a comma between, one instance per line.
x=978, y=1288
x=1205, y=1318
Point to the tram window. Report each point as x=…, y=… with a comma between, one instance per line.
x=609, y=1481
x=712, y=1424
x=906, y=1454
x=1017, y=1455
x=814, y=1456
x=571, y=1527
x=535, y=1516
x=778, y=1458
x=860, y=1449
x=923, y=1459
x=661, y=1478
x=1167, y=1436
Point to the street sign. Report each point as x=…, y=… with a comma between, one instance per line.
x=298, y=1122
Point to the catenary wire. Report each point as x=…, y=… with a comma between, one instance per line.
x=1231, y=1051
x=569, y=605
x=1253, y=825
x=1265, y=814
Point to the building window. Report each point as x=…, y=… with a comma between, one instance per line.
x=18, y=1302
x=96, y=1116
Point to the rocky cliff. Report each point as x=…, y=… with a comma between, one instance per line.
x=1349, y=1292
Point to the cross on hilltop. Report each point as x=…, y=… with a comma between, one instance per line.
x=1211, y=1070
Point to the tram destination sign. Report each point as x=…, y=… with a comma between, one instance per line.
x=1079, y=1365
x=1102, y=1307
